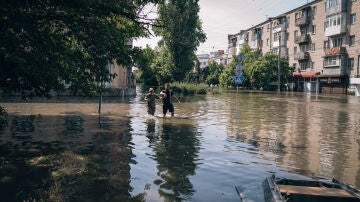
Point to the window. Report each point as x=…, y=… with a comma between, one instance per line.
x=314, y=9
x=288, y=20
x=294, y=65
x=304, y=48
x=303, y=13
x=277, y=36
x=331, y=61
x=267, y=42
x=303, y=66
x=312, y=48
x=312, y=65
x=313, y=29
x=296, y=33
x=332, y=3
x=287, y=36
x=352, y=40
x=351, y=63
x=326, y=45
x=337, y=42
x=303, y=31
x=295, y=50
x=353, y=18
x=335, y=20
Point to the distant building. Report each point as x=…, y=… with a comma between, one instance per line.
x=123, y=84
x=203, y=60
x=320, y=39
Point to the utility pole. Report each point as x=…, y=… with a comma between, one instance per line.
x=278, y=87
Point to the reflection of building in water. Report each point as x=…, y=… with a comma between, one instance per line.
x=311, y=137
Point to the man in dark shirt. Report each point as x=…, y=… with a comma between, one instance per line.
x=166, y=95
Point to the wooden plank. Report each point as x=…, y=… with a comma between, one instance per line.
x=314, y=191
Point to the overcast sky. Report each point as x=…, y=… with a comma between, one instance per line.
x=223, y=17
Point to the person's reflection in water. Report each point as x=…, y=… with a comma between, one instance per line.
x=150, y=129
x=176, y=155
x=165, y=134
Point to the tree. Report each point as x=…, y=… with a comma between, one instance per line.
x=227, y=75
x=180, y=27
x=263, y=71
x=146, y=70
x=214, y=71
x=164, y=67
x=250, y=56
x=44, y=43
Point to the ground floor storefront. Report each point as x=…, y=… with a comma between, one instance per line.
x=314, y=82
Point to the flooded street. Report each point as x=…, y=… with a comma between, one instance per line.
x=61, y=149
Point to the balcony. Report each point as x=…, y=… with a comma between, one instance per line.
x=303, y=20
x=256, y=37
x=333, y=71
x=341, y=7
x=302, y=39
x=335, y=30
x=278, y=43
x=335, y=51
x=279, y=28
x=254, y=45
x=242, y=41
x=302, y=56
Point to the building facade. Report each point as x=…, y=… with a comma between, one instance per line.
x=320, y=39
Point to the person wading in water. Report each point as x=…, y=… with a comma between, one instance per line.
x=166, y=95
x=150, y=98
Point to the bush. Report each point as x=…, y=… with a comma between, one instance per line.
x=189, y=88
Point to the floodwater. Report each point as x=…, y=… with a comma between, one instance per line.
x=62, y=150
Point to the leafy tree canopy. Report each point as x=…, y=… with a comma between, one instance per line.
x=43, y=43
x=227, y=75
x=180, y=28
x=144, y=62
x=261, y=71
x=214, y=70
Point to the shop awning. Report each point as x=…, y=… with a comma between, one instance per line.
x=306, y=74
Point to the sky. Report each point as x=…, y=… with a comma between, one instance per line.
x=222, y=17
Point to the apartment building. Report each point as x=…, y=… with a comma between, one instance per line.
x=203, y=60
x=320, y=39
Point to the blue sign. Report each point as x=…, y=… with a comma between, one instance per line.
x=241, y=57
x=238, y=80
x=238, y=71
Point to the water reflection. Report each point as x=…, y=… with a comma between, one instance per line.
x=176, y=156
x=68, y=156
x=63, y=150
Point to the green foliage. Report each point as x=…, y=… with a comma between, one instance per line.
x=146, y=73
x=189, y=88
x=163, y=66
x=227, y=76
x=212, y=73
x=43, y=43
x=261, y=71
x=180, y=28
x=250, y=56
